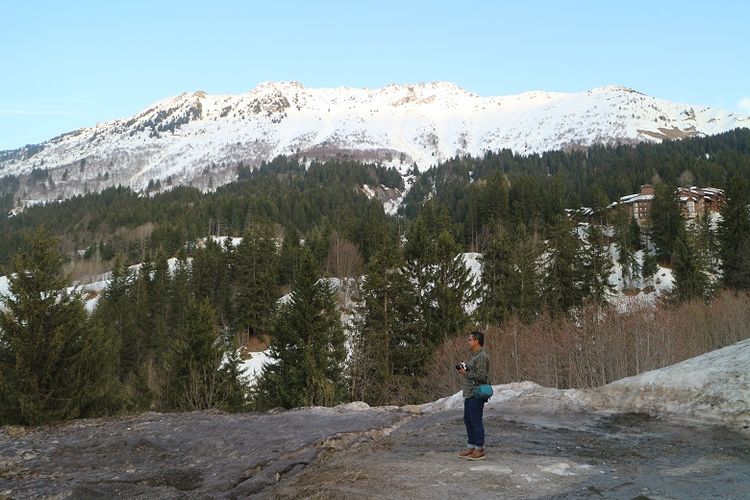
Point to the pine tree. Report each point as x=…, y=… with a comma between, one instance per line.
x=488, y=205
x=115, y=309
x=288, y=257
x=499, y=277
x=666, y=220
x=180, y=293
x=143, y=313
x=635, y=234
x=139, y=357
x=650, y=267
x=307, y=346
x=626, y=249
x=734, y=235
x=211, y=277
x=597, y=267
x=528, y=293
x=158, y=296
x=707, y=243
x=435, y=266
x=563, y=279
x=452, y=293
x=386, y=343
x=202, y=372
x=254, y=277
x=510, y=275
x=690, y=280
x=56, y=363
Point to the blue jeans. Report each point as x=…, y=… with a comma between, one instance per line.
x=473, y=412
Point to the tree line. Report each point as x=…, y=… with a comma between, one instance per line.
x=166, y=336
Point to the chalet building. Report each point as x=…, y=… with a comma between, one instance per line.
x=694, y=202
x=639, y=204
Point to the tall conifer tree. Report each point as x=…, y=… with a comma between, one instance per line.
x=55, y=362
x=254, y=276
x=444, y=285
x=690, y=280
x=499, y=276
x=597, y=267
x=666, y=220
x=201, y=374
x=307, y=346
x=510, y=275
x=211, y=277
x=563, y=282
x=116, y=310
x=386, y=342
x=734, y=235
x=288, y=257
x=626, y=249
x=528, y=298
x=180, y=293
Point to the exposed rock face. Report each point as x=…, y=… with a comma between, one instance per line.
x=373, y=453
x=189, y=455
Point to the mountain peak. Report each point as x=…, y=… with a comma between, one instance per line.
x=615, y=89
x=200, y=138
x=277, y=86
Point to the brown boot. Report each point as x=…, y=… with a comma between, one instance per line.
x=466, y=452
x=476, y=455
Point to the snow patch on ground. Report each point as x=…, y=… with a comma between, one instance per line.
x=712, y=389
x=252, y=366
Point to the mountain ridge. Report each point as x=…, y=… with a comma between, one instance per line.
x=199, y=139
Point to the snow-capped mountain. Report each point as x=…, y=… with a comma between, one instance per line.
x=199, y=139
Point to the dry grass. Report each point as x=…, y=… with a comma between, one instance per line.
x=85, y=270
x=253, y=343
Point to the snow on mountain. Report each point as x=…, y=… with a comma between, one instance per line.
x=199, y=139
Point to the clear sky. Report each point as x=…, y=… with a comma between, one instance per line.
x=71, y=64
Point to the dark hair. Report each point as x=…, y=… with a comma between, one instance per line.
x=479, y=336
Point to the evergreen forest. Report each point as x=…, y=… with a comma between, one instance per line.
x=167, y=334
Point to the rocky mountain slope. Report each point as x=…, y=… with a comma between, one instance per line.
x=200, y=139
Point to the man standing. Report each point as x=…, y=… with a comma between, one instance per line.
x=476, y=371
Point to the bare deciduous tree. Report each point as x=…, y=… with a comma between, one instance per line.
x=597, y=346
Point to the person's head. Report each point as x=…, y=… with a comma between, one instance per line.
x=476, y=340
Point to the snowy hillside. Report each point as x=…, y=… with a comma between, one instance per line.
x=199, y=139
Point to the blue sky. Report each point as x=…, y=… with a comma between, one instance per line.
x=67, y=65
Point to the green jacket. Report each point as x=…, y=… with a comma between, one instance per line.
x=477, y=372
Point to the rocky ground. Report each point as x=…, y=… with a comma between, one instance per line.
x=533, y=456
x=356, y=452
x=678, y=432
x=189, y=455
